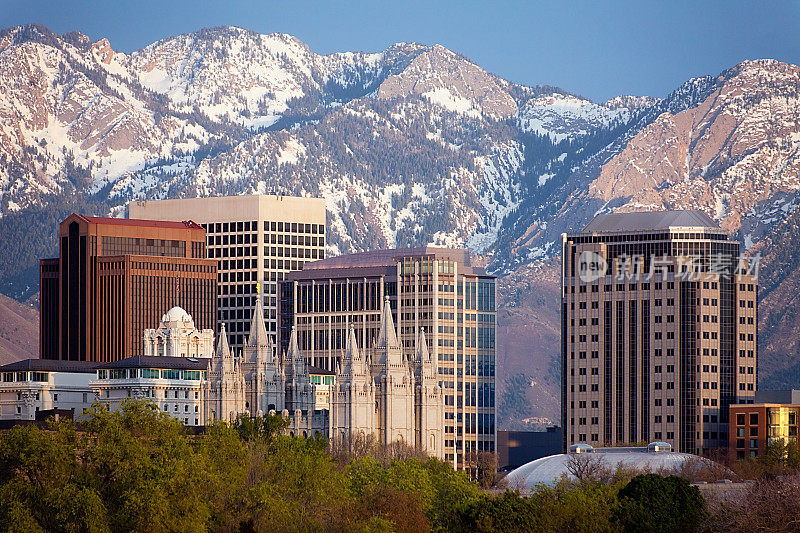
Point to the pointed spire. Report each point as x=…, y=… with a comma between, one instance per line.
x=387, y=338
x=423, y=355
x=258, y=331
x=223, y=350
x=351, y=348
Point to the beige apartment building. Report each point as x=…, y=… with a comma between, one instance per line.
x=437, y=291
x=257, y=240
x=658, y=331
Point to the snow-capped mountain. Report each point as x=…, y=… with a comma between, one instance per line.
x=411, y=145
x=385, y=136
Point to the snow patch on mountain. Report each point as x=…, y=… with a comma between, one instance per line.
x=563, y=116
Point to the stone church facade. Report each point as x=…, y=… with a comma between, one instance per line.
x=380, y=392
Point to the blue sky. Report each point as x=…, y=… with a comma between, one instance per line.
x=595, y=48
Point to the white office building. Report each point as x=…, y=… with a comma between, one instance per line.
x=35, y=385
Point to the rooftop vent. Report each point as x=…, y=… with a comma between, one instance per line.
x=659, y=446
x=581, y=448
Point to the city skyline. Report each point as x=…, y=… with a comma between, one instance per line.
x=402, y=266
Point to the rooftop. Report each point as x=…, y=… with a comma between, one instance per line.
x=168, y=363
x=388, y=258
x=656, y=457
x=649, y=221
x=50, y=365
x=186, y=224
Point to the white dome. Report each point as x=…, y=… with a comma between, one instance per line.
x=177, y=315
x=549, y=470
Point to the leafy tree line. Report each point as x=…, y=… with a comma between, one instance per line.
x=137, y=469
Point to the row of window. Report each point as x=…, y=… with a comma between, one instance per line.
x=248, y=238
x=151, y=373
x=176, y=408
x=173, y=267
x=11, y=377
x=248, y=225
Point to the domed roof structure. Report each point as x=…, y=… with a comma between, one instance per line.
x=177, y=316
x=657, y=457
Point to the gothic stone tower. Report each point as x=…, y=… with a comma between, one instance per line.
x=225, y=387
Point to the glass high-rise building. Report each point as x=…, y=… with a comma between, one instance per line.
x=435, y=289
x=256, y=240
x=658, y=331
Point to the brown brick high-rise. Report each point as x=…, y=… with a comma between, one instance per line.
x=116, y=277
x=658, y=331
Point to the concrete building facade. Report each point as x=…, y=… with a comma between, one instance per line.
x=257, y=240
x=658, y=331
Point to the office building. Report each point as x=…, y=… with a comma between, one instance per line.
x=437, y=291
x=110, y=280
x=658, y=331
x=772, y=417
x=256, y=239
x=33, y=386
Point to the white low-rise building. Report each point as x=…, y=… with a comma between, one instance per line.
x=33, y=385
x=175, y=384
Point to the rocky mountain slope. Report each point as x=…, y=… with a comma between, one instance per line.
x=19, y=331
x=415, y=144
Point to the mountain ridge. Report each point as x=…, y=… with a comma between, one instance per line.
x=412, y=145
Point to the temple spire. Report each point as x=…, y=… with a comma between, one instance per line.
x=387, y=338
x=352, y=344
x=294, y=358
x=223, y=350
x=423, y=355
x=258, y=331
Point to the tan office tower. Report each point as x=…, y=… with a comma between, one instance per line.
x=435, y=289
x=256, y=239
x=658, y=331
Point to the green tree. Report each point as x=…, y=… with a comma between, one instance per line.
x=653, y=503
x=43, y=485
x=265, y=428
x=146, y=470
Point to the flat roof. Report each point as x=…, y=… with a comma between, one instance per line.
x=762, y=404
x=185, y=224
x=50, y=365
x=239, y=208
x=388, y=258
x=161, y=362
x=649, y=221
